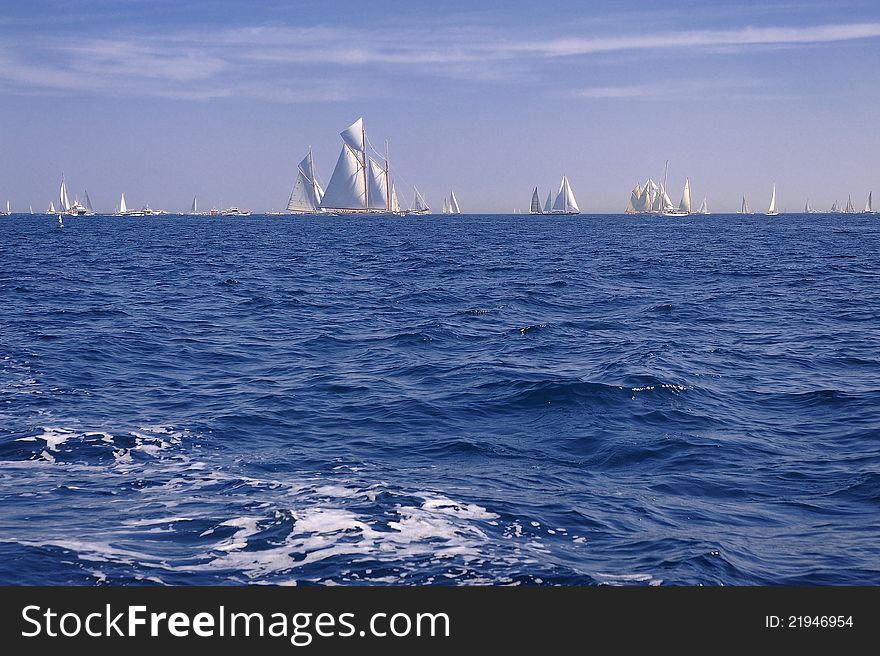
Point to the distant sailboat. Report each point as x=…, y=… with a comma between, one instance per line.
x=807, y=208
x=535, y=207
x=869, y=207
x=446, y=209
x=194, y=210
x=684, y=207
x=419, y=206
x=8, y=211
x=453, y=204
x=745, y=207
x=834, y=207
x=31, y=208
x=565, y=202
x=51, y=209
x=307, y=192
x=771, y=211
x=704, y=207
x=850, y=208
x=63, y=197
x=122, y=209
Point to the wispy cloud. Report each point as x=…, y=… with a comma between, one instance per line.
x=320, y=63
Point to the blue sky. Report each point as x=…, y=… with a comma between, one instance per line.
x=165, y=100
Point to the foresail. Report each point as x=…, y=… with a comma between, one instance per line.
x=453, y=204
x=547, y=206
x=685, y=204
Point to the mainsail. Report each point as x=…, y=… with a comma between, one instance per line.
x=65, y=199
x=869, y=207
x=548, y=207
x=850, y=208
x=347, y=189
x=195, y=206
x=807, y=208
x=51, y=209
x=453, y=204
x=122, y=206
x=772, y=209
x=307, y=193
x=88, y=201
x=565, y=202
x=685, y=204
x=535, y=207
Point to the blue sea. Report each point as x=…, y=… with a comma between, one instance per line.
x=440, y=400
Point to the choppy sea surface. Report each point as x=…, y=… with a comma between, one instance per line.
x=436, y=400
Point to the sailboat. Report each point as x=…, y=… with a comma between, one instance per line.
x=75, y=208
x=850, y=208
x=704, y=207
x=419, y=206
x=31, y=208
x=771, y=211
x=446, y=209
x=8, y=211
x=745, y=207
x=535, y=207
x=869, y=207
x=684, y=207
x=834, y=208
x=194, y=208
x=122, y=209
x=360, y=183
x=453, y=204
x=565, y=202
x=307, y=192
x=51, y=209
x=807, y=208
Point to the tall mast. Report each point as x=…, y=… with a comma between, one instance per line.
x=364, y=156
x=665, y=174
x=313, y=181
x=387, y=181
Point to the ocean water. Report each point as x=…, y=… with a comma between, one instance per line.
x=436, y=400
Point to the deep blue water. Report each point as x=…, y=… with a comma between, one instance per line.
x=479, y=399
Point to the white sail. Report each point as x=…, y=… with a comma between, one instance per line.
x=772, y=208
x=346, y=189
x=869, y=206
x=355, y=136
x=665, y=202
x=65, y=199
x=446, y=206
x=51, y=209
x=195, y=206
x=635, y=200
x=419, y=204
x=548, y=207
x=88, y=201
x=565, y=202
x=685, y=204
x=8, y=211
x=453, y=204
x=535, y=207
x=379, y=192
x=745, y=207
x=395, y=202
x=807, y=208
x=31, y=208
x=122, y=206
x=850, y=208
x=704, y=207
x=834, y=207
